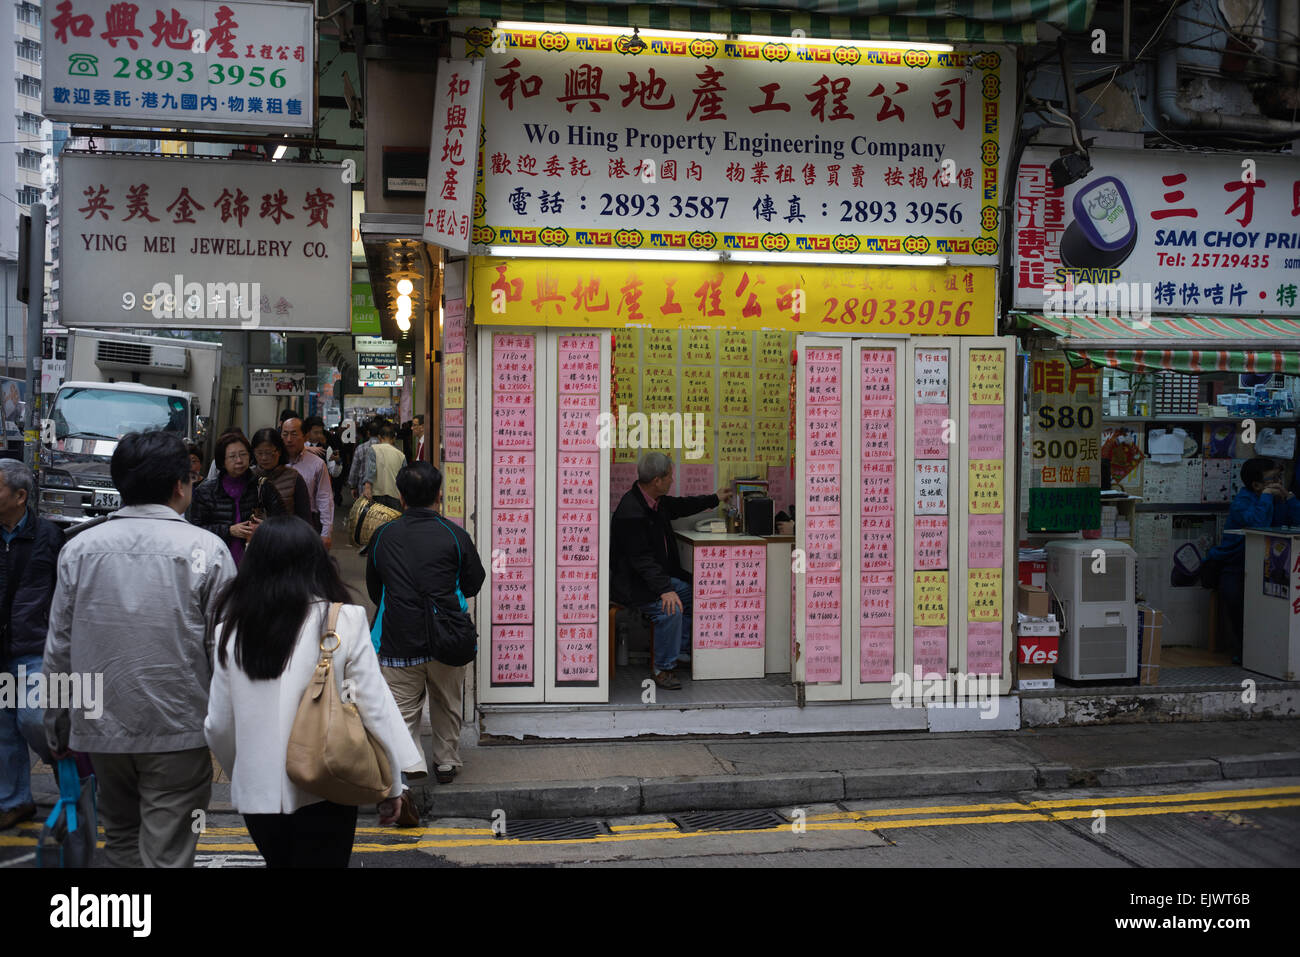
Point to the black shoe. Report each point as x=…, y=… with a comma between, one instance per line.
x=445, y=773
x=15, y=816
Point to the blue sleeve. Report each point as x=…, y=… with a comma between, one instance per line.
x=1250, y=510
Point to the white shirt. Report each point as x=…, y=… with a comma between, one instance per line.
x=249, y=722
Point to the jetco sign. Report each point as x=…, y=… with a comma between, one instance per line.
x=174, y=243
x=235, y=64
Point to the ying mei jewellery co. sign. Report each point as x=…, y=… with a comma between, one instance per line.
x=173, y=243
x=700, y=144
x=231, y=64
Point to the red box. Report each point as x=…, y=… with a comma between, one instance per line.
x=1034, y=573
x=1038, y=649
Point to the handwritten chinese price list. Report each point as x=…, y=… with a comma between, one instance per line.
x=1064, y=447
x=986, y=509
x=730, y=590
x=514, y=506
x=879, y=496
x=824, y=389
x=577, y=546
x=453, y=408
x=931, y=438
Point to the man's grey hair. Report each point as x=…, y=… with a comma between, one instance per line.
x=18, y=476
x=653, y=465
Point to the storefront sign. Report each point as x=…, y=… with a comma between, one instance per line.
x=453, y=154
x=602, y=294
x=173, y=243
x=1160, y=231
x=703, y=144
x=226, y=64
x=276, y=383
x=1065, y=435
x=365, y=317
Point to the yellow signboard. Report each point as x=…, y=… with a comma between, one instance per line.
x=987, y=376
x=984, y=594
x=986, y=487
x=453, y=373
x=930, y=598
x=906, y=300
x=453, y=495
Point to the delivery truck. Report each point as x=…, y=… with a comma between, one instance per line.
x=118, y=383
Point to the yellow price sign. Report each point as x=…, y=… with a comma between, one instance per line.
x=930, y=598
x=986, y=487
x=988, y=376
x=984, y=594
x=454, y=489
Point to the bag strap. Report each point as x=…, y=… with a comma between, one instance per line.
x=69, y=794
x=331, y=622
x=460, y=560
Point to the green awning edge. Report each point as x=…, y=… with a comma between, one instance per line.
x=1190, y=362
x=860, y=24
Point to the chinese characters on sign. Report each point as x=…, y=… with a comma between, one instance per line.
x=453, y=154
x=1065, y=436
x=703, y=145
x=987, y=504
x=823, y=380
x=278, y=234
x=1206, y=238
x=879, y=384
x=669, y=295
x=194, y=63
x=930, y=510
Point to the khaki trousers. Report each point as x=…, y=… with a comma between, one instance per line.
x=442, y=685
x=147, y=804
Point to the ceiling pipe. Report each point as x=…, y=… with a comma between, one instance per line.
x=1177, y=117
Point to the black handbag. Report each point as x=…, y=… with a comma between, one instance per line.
x=70, y=833
x=451, y=634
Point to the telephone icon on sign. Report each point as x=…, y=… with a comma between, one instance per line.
x=83, y=64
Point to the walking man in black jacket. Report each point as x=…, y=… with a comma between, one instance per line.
x=28, y=573
x=646, y=571
x=421, y=554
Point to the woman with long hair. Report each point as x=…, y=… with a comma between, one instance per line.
x=269, y=623
x=232, y=504
x=274, y=469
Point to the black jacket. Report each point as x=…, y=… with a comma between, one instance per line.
x=214, y=510
x=643, y=546
x=411, y=557
x=28, y=573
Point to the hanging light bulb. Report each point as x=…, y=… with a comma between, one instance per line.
x=404, y=287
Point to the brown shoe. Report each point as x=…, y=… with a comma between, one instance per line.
x=407, y=815
x=23, y=812
x=665, y=680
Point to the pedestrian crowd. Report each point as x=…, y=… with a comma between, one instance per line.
x=217, y=622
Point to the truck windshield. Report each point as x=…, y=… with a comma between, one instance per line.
x=109, y=413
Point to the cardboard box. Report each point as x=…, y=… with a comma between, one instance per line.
x=1150, y=625
x=1032, y=602
x=1038, y=643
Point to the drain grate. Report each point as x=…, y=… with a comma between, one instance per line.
x=729, y=820
x=553, y=830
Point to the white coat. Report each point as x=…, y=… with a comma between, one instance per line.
x=249, y=722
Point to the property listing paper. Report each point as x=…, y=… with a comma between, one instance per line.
x=930, y=510
x=986, y=391
x=879, y=385
x=824, y=389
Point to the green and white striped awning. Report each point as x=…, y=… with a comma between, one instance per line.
x=925, y=21
x=1177, y=343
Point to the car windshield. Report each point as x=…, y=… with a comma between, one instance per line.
x=110, y=414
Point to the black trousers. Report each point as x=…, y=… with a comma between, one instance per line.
x=318, y=835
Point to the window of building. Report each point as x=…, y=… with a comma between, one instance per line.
x=29, y=13
x=28, y=195
x=29, y=86
x=30, y=123
x=29, y=159
x=29, y=50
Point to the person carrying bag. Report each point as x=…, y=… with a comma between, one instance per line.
x=71, y=832
x=299, y=715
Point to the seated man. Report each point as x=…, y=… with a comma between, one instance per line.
x=646, y=572
x=1263, y=502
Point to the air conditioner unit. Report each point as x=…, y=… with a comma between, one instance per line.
x=1092, y=582
x=112, y=355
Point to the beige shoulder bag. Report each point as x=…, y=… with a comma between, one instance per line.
x=331, y=753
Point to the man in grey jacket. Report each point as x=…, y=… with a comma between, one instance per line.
x=132, y=605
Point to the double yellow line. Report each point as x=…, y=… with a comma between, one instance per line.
x=880, y=819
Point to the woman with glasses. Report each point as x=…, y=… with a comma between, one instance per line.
x=273, y=468
x=233, y=503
